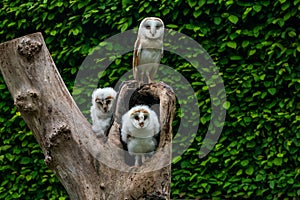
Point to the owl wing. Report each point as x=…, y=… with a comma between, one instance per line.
x=136, y=54
x=125, y=133
x=124, y=136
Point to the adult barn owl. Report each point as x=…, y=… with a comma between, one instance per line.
x=148, y=49
x=102, y=109
x=139, y=126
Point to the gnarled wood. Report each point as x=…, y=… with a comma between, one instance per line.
x=87, y=166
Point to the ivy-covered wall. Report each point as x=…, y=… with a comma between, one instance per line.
x=256, y=48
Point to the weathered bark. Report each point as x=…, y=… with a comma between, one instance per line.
x=88, y=167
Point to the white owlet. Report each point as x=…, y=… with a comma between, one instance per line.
x=102, y=109
x=148, y=49
x=139, y=126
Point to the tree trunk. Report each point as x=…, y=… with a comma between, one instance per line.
x=87, y=166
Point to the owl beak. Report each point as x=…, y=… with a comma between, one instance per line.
x=142, y=124
x=105, y=108
x=153, y=31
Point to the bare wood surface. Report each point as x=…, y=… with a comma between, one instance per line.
x=87, y=166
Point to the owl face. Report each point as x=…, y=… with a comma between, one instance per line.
x=140, y=118
x=103, y=99
x=151, y=28
x=104, y=104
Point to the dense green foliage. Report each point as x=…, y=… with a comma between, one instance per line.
x=256, y=47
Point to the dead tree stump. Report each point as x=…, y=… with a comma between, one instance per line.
x=87, y=166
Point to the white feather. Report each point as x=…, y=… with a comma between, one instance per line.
x=103, y=100
x=139, y=126
x=148, y=49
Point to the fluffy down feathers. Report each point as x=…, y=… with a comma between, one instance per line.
x=139, y=126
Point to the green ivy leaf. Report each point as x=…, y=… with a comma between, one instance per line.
x=217, y=20
x=249, y=171
x=245, y=163
x=176, y=159
x=232, y=44
x=197, y=13
x=226, y=105
x=192, y=3
x=257, y=8
x=272, y=91
x=25, y=160
x=245, y=43
x=233, y=19
x=278, y=161
x=172, y=26
x=239, y=172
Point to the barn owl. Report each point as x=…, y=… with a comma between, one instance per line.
x=139, y=126
x=148, y=49
x=102, y=109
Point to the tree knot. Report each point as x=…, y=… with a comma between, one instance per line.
x=27, y=101
x=60, y=134
x=48, y=159
x=28, y=48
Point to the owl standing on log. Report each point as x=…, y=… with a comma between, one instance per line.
x=148, y=49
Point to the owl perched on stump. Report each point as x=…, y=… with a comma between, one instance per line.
x=103, y=100
x=148, y=49
x=140, y=125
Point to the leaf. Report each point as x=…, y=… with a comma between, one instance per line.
x=231, y=44
x=192, y=3
x=257, y=8
x=249, y=171
x=272, y=91
x=226, y=105
x=176, y=159
x=217, y=20
x=197, y=13
x=245, y=163
x=172, y=26
x=239, y=172
x=277, y=161
x=252, y=52
x=233, y=19
x=201, y=3
x=272, y=184
x=124, y=27
x=53, y=32
x=25, y=160
x=285, y=6
x=292, y=34
x=245, y=43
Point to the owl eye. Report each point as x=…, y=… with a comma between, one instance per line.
x=136, y=117
x=147, y=26
x=157, y=26
x=108, y=101
x=145, y=117
x=99, y=102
